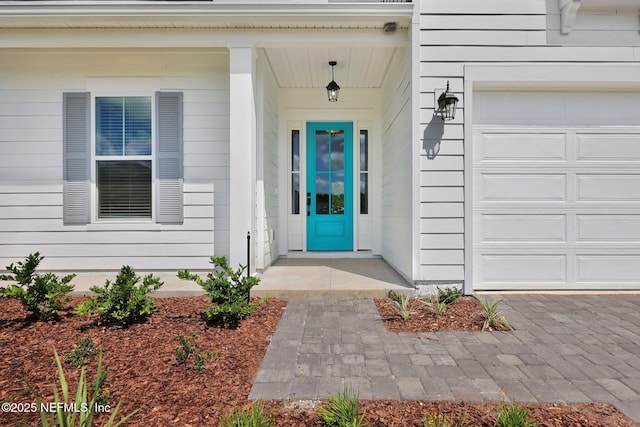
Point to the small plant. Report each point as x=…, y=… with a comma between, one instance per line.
x=42, y=295
x=514, y=415
x=82, y=351
x=78, y=410
x=189, y=349
x=492, y=316
x=228, y=289
x=342, y=410
x=403, y=304
x=436, y=419
x=253, y=416
x=122, y=302
x=435, y=305
x=449, y=295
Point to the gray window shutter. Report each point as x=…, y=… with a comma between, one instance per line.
x=169, y=157
x=76, y=155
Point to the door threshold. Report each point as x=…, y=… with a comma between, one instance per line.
x=331, y=254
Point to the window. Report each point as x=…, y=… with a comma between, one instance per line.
x=138, y=171
x=123, y=157
x=364, y=172
x=295, y=172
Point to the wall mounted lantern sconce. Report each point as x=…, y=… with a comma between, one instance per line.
x=447, y=103
x=332, y=88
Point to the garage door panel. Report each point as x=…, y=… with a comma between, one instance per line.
x=522, y=187
x=608, y=228
x=608, y=268
x=521, y=228
x=608, y=147
x=607, y=188
x=556, y=190
x=525, y=268
x=500, y=147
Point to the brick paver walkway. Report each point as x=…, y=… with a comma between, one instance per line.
x=565, y=348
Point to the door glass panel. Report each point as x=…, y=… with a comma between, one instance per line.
x=337, y=150
x=322, y=193
x=337, y=193
x=364, y=172
x=322, y=150
x=295, y=172
x=364, y=150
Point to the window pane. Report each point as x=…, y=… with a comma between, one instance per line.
x=364, y=193
x=337, y=151
x=364, y=150
x=322, y=193
x=295, y=150
x=124, y=189
x=322, y=150
x=337, y=194
x=137, y=126
x=109, y=122
x=295, y=193
x=123, y=126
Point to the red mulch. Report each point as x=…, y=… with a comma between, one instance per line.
x=145, y=374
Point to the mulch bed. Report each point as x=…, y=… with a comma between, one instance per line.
x=145, y=374
x=464, y=315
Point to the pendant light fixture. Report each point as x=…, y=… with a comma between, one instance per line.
x=332, y=88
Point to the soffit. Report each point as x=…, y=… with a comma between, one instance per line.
x=357, y=67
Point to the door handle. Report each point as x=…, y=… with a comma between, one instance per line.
x=308, y=204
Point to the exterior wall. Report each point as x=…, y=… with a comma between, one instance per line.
x=594, y=27
x=32, y=83
x=455, y=36
x=268, y=177
x=396, y=179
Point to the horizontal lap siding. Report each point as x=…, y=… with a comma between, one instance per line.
x=31, y=88
x=396, y=155
x=271, y=169
x=452, y=35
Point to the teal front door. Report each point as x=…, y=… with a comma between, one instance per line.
x=330, y=186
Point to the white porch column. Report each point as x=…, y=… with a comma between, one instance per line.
x=242, y=146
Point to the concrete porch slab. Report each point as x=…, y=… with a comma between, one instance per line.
x=335, y=278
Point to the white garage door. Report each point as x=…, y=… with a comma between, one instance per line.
x=556, y=190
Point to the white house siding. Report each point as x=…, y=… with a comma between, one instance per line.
x=32, y=83
x=454, y=36
x=396, y=176
x=603, y=25
x=268, y=176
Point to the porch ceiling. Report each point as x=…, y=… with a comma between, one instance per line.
x=358, y=67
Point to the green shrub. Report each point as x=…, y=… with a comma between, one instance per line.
x=42, y=295
x=84, y=402
x=449, y=295
x=82, y=351
x=187, y=349
x=122, y=302
x=246, y=417
x=514, y=415
x=403, y=304
x=342, y=410
x=228, y=289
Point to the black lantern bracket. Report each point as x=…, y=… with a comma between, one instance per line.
x=445, y=103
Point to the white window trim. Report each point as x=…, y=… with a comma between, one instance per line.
x=94, y=159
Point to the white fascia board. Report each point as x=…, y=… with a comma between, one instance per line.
x=192, y=38
x=81, y=14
